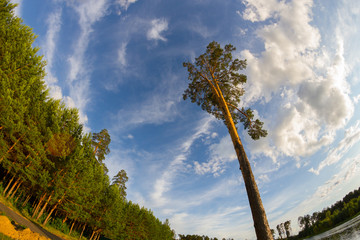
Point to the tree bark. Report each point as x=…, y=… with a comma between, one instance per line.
x=44, y=207
x=261, y=224
x=38, y=205
x=26, y=200
x=72, y=225
x=52, y=210
x=17, y=187
x=82, y=230
x=12, y=188
x=8, y=185
x=92, y=235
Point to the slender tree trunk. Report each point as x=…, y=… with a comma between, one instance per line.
x=82, y=230
x=18, y=197
x=8, y=185
x=98, y=236
x=17, y=187
x=12, y=188
x=44, y=207
x=36, y=210
x=52, y=210
x=92, y=235
x=72, y=225
x=261, y=224
x=65, y=218
x=26, y=200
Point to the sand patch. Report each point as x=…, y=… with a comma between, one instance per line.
x=9, y=230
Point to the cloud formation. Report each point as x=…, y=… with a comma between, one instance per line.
x=164, y=182
x=221, y=153
x=54, y=25
x=352, y=136
x=158, y=26
x=125, y=3
x=78, y=79
x=311, y=80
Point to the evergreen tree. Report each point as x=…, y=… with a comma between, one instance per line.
x=215, y=85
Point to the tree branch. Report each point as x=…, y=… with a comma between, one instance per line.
x=17, y=69
x=243, y=113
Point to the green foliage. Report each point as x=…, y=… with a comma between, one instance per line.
x=197, y=237
x=119, y=181
x=58, y=224
x=330, y=217
x=215, y=81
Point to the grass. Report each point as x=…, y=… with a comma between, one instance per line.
x=4, y=237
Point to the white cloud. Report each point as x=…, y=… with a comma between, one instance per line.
x=220, y=153
x=260, y=10
x=158, y=26
x=352, y=136
x=156, y=108
x=310, y=79
x=334, y=189
x=79, y=74
x=356, y=99
x=49, y=48
x=224, y=222
x=125, y=3
x=122, y=55
x=164, y=182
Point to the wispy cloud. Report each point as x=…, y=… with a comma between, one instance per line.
x=220, y=153
x=219, y=223
x=49, y=47
x=334, y=189
x=125, y=3
x=352, y=136
x=156, y=108
x=157, y=27
x=78, y=79
x=164, y=182
x=122, y=55
x=311, y=80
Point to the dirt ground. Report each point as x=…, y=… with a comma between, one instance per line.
x=9, y=229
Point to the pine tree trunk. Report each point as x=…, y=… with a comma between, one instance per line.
x=26, y=200
x=44, y=207
x=12, y=188
x=36, y=210
x=82, y=230
x=92, y=235
x=72, y=225
x=65, y=218
x=8, y=185
x=17, y=187
x=261, y=224
x=98, y=236
x=52, y=210
x=18, y=197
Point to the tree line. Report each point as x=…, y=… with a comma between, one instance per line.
x=50, y=168
x=198, y=237
x=330, y=217
x=319, y=222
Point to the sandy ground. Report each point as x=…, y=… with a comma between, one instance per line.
x=9, y=230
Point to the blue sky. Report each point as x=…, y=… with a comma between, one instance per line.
x=120, y=63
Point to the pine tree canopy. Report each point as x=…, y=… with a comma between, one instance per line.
x=215, y=75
